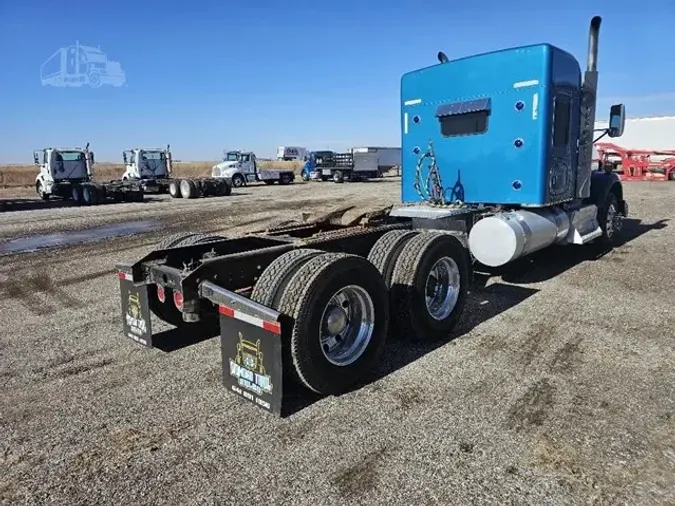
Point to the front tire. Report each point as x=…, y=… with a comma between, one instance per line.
x=40, y=189
x=237, y=180
x=610, y=220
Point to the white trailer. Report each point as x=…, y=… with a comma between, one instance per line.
x=655, y=134
x=291, y=153
x=387, y=158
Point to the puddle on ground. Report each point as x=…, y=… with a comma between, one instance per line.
x=68, y=238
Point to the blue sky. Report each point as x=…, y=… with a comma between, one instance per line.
x=209, y=75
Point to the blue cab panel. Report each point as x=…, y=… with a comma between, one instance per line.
x=504, y=126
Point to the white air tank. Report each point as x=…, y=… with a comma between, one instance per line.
x=504, y=237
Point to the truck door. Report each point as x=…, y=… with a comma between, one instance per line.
x=247, y=166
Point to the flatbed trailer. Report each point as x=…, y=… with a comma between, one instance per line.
x=312, y=303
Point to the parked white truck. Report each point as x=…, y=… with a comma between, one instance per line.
x=152, y=168
x=291, y=153
x=66, y=173
x=242, y=168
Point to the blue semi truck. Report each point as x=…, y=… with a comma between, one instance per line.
x=496, y=164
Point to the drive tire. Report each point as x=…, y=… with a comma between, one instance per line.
x=224, y=188
x=338, y=177
x=188, y=189
x=304, y=300
x=610, y=221
x=76, y=194
x=268, y=288
x=409, y=286
x=89, y=195
x=285, y=179
x=174, y=190
x=385, y=252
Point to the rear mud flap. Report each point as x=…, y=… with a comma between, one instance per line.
x=252, y=359
x=135, y=310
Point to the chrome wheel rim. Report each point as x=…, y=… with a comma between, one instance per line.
x=442, y=288
x=614, y=221
x=347, y=325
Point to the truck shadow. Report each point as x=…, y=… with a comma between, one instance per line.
x=27, y=204
x=484, y=303
x=551, y=262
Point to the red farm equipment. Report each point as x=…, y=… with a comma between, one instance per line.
x=636, y=164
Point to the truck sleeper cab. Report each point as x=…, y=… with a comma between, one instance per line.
x=318, y=296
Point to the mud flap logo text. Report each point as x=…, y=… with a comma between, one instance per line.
x=258, y=383
x=134, y=318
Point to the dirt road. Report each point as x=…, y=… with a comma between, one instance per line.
x=557, y=389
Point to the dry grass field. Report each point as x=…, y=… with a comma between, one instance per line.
x=15, y=176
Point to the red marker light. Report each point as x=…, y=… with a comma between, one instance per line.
x=178, y=299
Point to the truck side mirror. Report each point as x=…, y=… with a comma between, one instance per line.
x=617, y=120
x=36, y=159
x=91, y=157
x=124, y=157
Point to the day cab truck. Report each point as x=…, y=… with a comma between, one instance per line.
x=67, y=173
x=152, y=168
x=242, y=168
x=496, y=165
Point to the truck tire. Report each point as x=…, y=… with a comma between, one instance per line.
x=270, y=284
x=174, y=189
x=173, y=240
x=76, y=194
x=238, y=181
x=188, y=189
x=671, y=175
x=385, y=252
x=224, y=188
x=439, y=259
x=338, y=177
x=285, y=179
x=610, y=221
x=40, y=190
x=100, y=193
x=89, y=195
x=345, y=292
x=304, y=175
x=201, y=239
x=269, y=182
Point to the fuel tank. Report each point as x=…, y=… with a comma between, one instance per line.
x=505, y=237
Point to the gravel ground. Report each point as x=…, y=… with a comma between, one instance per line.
x=558, y=388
